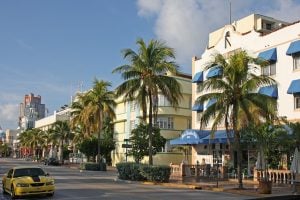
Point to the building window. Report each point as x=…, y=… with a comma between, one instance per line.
x=163, y=101
x=189, y=124
x=132, y=125
x=165, y=122
x=125, y=107
x=199, y=114
x=296, y=61
x=132, y=106
x=269, y=70
x=198, y=87
x=297, y=101
x=268, y=26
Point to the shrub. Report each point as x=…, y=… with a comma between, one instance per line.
x=93, y=166
x=140, y=172
x=129, y=171
x=156, y=173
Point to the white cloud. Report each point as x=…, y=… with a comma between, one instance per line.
x=185, y=24
x=148, y=8
x=287, y=10
x=9, y=115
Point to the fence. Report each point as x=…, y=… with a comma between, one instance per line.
x=178, y=172
x=276, y=176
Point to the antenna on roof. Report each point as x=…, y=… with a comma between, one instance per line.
x=229, y=12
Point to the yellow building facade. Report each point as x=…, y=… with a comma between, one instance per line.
x=171, y=121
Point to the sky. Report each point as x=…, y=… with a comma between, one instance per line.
x=54, y=48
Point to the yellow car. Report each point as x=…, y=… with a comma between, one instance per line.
x=22, y=181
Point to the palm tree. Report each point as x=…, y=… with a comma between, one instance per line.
x=79, y=117
x=31, y=139
x=295, y=134
x=61, y=131
x=99, y=104
x=236, y=101
x=145, y=77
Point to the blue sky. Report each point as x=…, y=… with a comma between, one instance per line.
x=51, y=47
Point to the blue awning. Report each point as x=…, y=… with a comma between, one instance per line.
x=198, y=107
x=214, y=71
x=198, y=77
x=293, y=48
x=269, y=55
x=271, y=91
x=190, y=136
x=294, y=87
x=211, y=102
x=219, y=137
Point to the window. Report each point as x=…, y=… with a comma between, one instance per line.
x=296, y=61
x=269, y=69
x=163, y=101
x=125, y=107
x=165, y=122
x=189, y=124
x=297, y=101
x=268, y=26
x=132, y=106
x=132, y=125
x=199, y=114
x=217, y=157
x=198, y=87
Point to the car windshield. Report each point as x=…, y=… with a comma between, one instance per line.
x=29, y=172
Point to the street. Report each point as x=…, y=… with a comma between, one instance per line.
x=73, y=184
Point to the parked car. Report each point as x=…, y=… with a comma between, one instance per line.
x=51, y=161
x=23, y=181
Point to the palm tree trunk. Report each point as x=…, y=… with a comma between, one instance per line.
x=61, y=155
x=98, y=156
x=99, y=141
x=150, y=130
x=239, y=159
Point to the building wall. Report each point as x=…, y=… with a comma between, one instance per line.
x=126, y=115
x=31, y=109
x=254, y=42
x=11, y=136
x=46, y=123
x=252, y=22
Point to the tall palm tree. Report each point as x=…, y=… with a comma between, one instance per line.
x=237, y=102
x=62, y=133
x=79, y=117
x=99, y=104
x=145, y=77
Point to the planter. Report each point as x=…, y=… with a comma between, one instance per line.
x=265, y=187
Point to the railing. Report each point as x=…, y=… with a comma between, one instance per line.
x=204, y=171
x=276, y=176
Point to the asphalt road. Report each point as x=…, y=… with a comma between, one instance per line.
x=71, y=184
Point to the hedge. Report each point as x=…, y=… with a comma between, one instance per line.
x=141, y=172
x=93, y=166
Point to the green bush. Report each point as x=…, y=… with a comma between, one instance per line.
x=129, y=171
x=93, y=166
x=140, y=172
x=156, y=173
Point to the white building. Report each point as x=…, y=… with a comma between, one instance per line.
x=260, y=36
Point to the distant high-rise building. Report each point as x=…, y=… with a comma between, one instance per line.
x=31, y=110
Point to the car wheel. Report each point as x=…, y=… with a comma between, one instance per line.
x=3, y=189
x=12, y=192
x=51, y=194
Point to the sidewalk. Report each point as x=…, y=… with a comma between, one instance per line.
x=231, y=186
